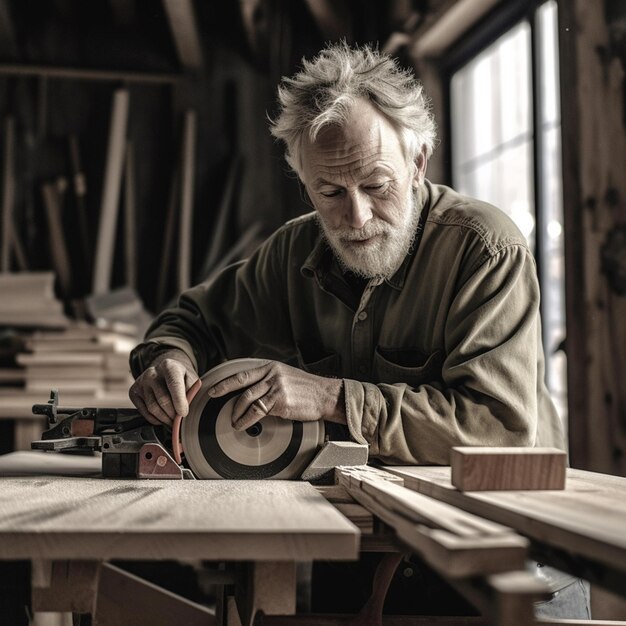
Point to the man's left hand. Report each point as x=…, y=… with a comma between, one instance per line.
x=283, y=391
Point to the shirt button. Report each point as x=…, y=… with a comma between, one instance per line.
x=362, y=316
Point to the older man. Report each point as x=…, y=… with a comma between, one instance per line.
x=402, y=313
x=399, y=308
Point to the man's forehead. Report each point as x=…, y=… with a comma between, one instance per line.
x=364, y=125
x=365, y=139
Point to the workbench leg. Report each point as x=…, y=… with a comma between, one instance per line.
x=64, y=586
x=267, y=587
x=514, y=594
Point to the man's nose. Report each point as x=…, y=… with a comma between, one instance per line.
x=358, y=210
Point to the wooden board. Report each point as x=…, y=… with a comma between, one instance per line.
x=17, y=404
x=587, y=518
x=85, y=518
x=105, y=249
x=185, y=238
x=490, y=469
x=455, y=543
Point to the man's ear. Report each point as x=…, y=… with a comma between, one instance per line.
x=421, y=161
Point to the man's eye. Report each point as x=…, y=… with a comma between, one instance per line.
x=331, y=194
x=377, y=187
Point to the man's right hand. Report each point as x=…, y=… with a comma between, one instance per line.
x=160, y=392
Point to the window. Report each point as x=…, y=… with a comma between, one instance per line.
x=505, y=129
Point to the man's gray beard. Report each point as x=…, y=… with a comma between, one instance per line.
x=382, y=258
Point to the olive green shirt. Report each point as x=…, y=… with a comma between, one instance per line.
x=446, y=352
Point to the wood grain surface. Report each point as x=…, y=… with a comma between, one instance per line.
x=587, y=518
x=86, y=518
x=492, y=469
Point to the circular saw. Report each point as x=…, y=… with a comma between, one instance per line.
x=272, y=448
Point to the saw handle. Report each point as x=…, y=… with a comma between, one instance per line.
x=177, y=446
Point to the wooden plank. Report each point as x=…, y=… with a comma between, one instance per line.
x=79, y=184
x=124, y=599
x=58, y=247
x=109, y=205
x=419, y=508
x=219, y=236
x=27, y=462
x=130, y=219
x=187, y=195
x=447, y=25
x=182, y=21
x=488, y=469
x=352, y=476
x=71, y=73
x=16, y=404
x=167, y=242
x=8, y=44
x=587, y=518
x=358, y=515
x=454, y=543
x=8, y=193
x=65, y=518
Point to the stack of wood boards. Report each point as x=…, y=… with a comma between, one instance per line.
x=81, y=359
x=88, y=365
x=455, y=543
x=28, y=301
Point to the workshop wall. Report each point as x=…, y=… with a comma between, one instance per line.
x=593, y=52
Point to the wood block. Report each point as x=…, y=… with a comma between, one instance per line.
x=498, y=469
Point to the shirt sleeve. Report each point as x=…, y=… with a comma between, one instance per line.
x=239, y=314
x=487, y=392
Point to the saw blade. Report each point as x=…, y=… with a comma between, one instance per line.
x=272, y=448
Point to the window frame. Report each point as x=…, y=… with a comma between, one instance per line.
x=489, y=29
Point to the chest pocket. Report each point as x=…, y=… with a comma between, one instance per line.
x=321, y=364
x=393, y=365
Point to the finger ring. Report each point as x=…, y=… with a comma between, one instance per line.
x=262, y=406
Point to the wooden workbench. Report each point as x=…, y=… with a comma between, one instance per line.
x=89, y=518
x=581, y=529
x=67, y=527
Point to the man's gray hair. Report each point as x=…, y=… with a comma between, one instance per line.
x=325, y=89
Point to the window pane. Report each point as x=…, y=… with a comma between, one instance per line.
x=492, y=157
x=492, y=128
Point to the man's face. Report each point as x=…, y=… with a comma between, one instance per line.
x=363, y=190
